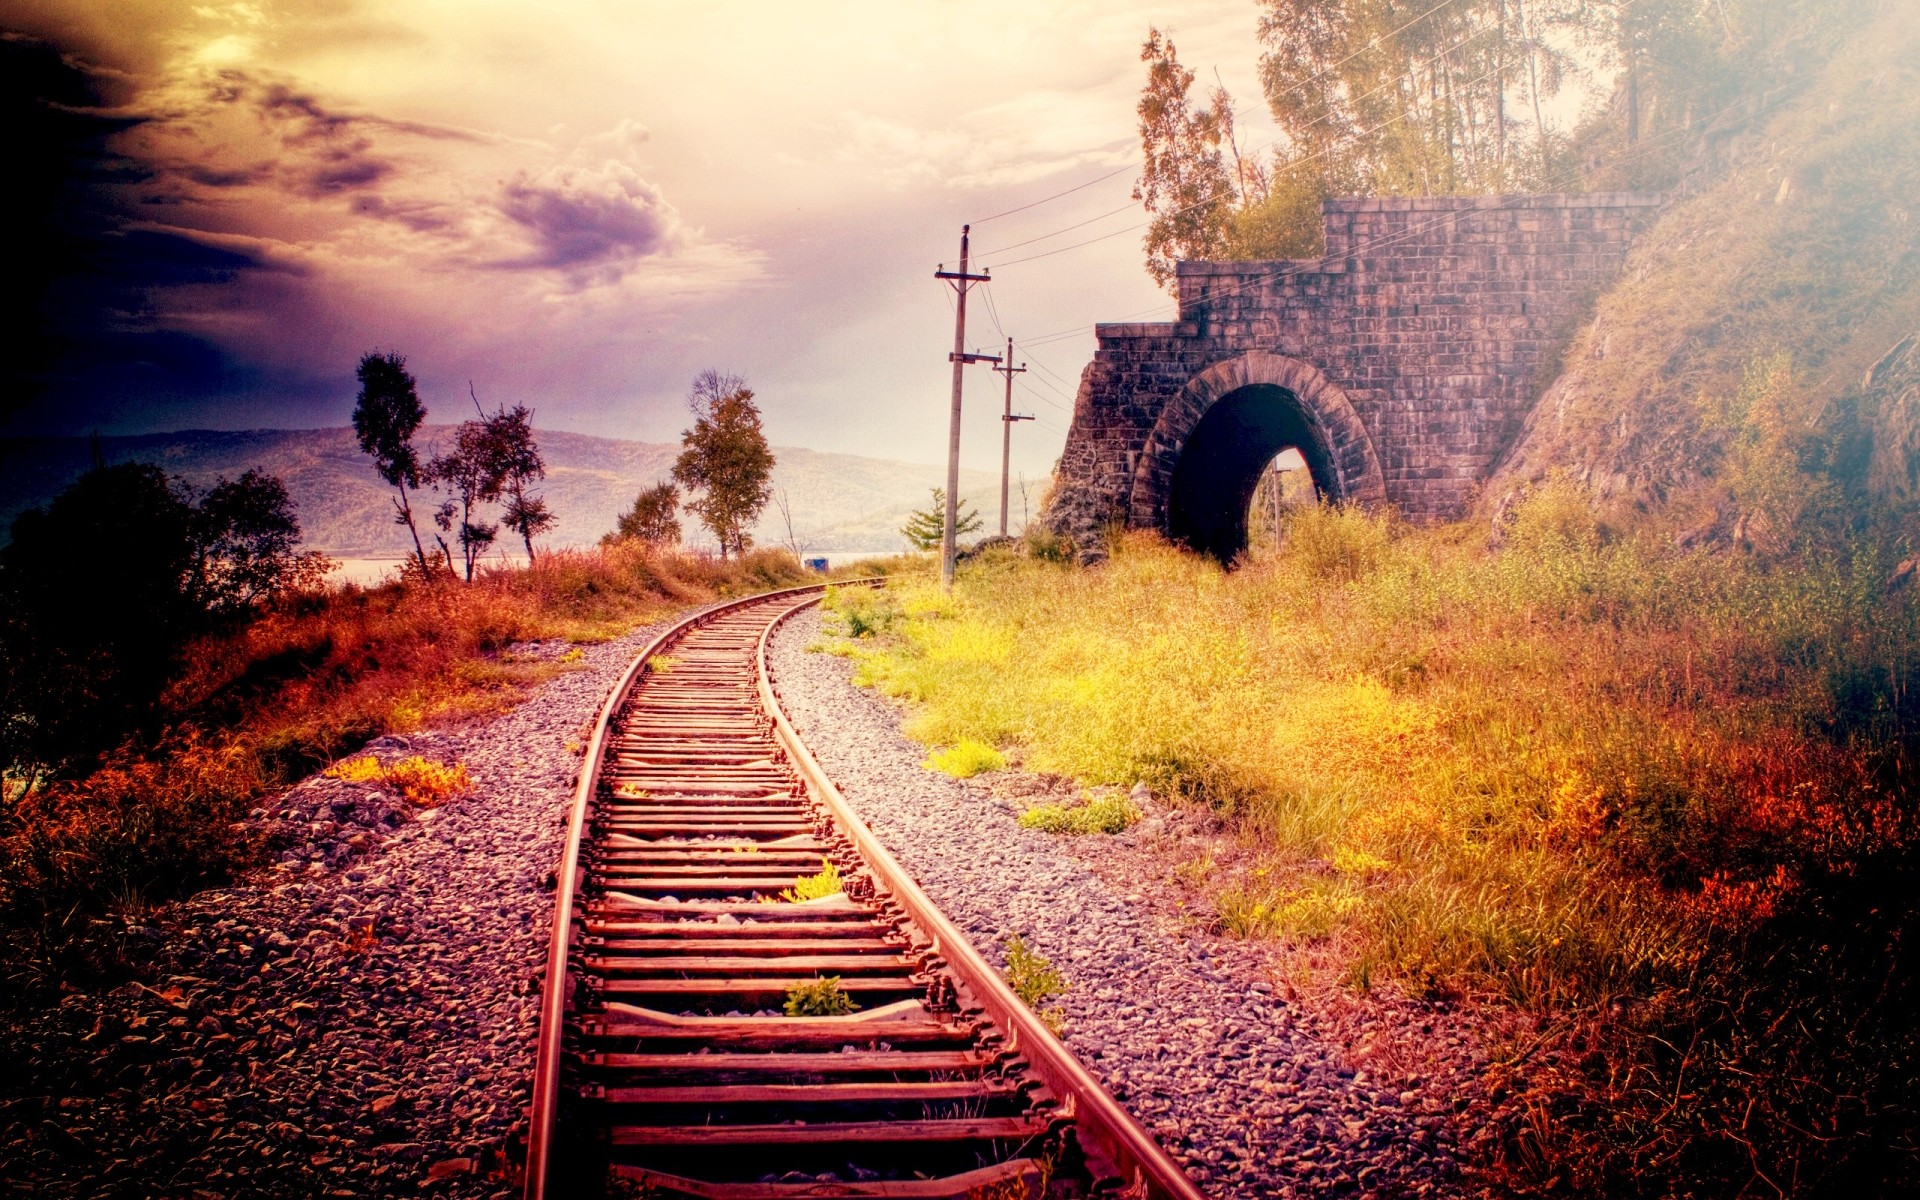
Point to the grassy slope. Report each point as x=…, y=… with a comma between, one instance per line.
x=1828, y=270
x=1663, y=797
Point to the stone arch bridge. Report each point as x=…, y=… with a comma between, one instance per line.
x=1400, y=364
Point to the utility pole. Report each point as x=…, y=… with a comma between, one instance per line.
x=1007, y=418
x=959, y=358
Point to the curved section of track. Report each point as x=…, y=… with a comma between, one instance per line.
x=667, y=1065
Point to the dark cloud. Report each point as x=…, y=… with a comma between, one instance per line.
x=589, y=222
x=85, y=321
x=326, y=151
x=319, y=150
x=160, y=257
x=304, y=117
x=421, y=216
x=346, y=172
x=53, y=131
x=146, y=300
x=224, y=177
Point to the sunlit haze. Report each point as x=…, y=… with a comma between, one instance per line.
x=578, y=206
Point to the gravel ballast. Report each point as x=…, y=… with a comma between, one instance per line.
x=1254, y=1093
x=356, y=1021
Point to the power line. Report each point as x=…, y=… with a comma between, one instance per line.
x=993, y=313
x=1061, y=379
x=1057, y=195
x=1033, y=395
x=960, y=280
x=1056, y=233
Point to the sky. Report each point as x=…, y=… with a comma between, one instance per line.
x=578, y=206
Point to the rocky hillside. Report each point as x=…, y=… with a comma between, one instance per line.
x=839, y=501
x=1796, y=233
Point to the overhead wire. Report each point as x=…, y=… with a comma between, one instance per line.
x=993, y=314
x=1043, y=398
x=1127, y=207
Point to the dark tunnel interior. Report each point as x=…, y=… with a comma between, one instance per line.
x=1220, y=465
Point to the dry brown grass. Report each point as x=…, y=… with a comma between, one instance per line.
x=1663, y=799
x=318, y=677
x=290, y=692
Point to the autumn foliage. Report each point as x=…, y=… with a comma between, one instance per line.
x=304, y=683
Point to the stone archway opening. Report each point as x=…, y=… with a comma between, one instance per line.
x=1241, y=436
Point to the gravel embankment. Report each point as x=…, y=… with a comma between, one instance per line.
x=1256, y=1094
x=357, y=1021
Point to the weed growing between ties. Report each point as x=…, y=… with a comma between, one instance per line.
x=1034, y=980
x=824, y=997
x=1666, y=796
x=814, y=887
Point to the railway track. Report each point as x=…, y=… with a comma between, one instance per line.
x=667, y=1064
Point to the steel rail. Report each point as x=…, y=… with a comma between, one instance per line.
x=1129, y=1149
x=695, y=801
x=556, y=986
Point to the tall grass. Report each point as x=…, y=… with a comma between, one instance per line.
x=1587, y=774
x=320, y=676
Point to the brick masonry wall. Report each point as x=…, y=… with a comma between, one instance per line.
x=1412, y=346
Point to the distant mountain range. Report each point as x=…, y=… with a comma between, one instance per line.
x=841, y=502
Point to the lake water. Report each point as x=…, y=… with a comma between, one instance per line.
x=369, y=571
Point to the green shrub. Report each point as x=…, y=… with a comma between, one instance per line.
x=823, y=997
x=1109, y=814
x=965, y=759
x=1335, y=542
x=863, y=612
x=1306, y=912
x=1044, y=545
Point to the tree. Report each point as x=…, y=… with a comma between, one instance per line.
x=387, y=416
x=783, y=505
x=1206, y=198
x=101, y=590
x=652, y=517
x=1390, y=105
x=1369, y=100
x=1184, y=181
x=93, y=584
x=926, y=528
x=246, y=542
x=475, y=473
x=725, y=459
x=526, y=513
